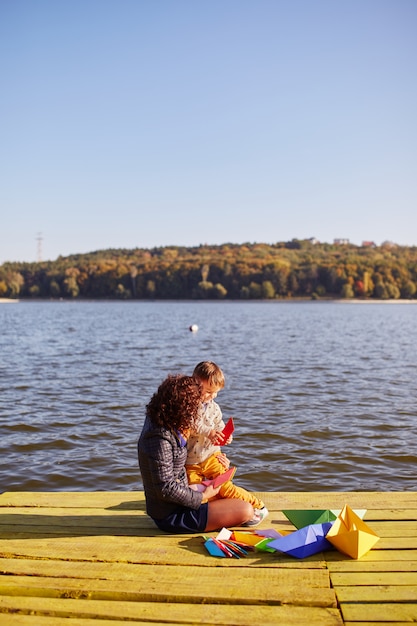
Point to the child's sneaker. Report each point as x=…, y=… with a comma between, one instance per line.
x=260, y=514
x=263, y=512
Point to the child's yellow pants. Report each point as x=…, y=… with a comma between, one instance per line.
x=209, y=469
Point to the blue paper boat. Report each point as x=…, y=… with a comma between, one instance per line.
x=304, y=542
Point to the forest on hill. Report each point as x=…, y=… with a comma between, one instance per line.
x=293, y=269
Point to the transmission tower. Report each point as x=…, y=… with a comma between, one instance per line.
x=39, y=239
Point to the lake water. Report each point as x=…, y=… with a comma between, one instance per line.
x=323, y=393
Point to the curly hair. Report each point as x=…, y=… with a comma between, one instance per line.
x=175, y=405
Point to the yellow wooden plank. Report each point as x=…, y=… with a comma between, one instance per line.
x=167, y=549
x=397, y=528
x=30, y=532
x=177, y=584
x=12, y=619
x=276, y=501
x=39, y=515
x=389, y=556
x=19, y=531
x=37, y=521
x=29, y=524
x=386, y=593
x=160, y=573
x=174, y=613
x=391, y=515
x=37, y=620
x=396, y=543
x=369, y=623
x=57, y=520
x=379, y=612
x=20, y=534
x=40, y=520
x=30, y=520
x=358, y=499
x=117, y=500
x=345, y=579
x=371, y=566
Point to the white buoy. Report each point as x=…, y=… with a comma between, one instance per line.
x=193, y=328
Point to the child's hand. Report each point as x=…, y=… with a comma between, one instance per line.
x=216, y=437
x=222, y=458
x=228, y=440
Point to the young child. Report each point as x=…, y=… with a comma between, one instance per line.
x=204, y=457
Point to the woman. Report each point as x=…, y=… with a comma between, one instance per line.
x=162, y=452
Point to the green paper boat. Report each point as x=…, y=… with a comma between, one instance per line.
x=305, y=517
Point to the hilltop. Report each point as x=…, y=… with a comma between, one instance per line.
x=297, y=268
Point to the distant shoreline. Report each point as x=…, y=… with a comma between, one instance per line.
x=268, y=300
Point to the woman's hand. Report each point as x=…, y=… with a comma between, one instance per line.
x=209, y=493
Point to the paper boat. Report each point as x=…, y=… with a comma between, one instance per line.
x=301, y=517
x=305, y=517
x=351, y=535
x=304, y=542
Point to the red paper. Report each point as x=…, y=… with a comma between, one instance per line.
x=221, y=478
x=227, y=430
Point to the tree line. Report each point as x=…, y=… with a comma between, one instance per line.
x=293, y=269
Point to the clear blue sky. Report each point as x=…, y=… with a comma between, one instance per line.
x=141, y=123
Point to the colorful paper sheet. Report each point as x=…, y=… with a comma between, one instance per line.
x=351, y=535
x=305, y=541
x=249, y=539
x=257, y=539
x=214, y=549
x=224, y=533
x=223, y=546
x=263, y=545
x=269, y=533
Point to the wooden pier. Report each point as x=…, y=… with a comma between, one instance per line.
x=96, y=559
